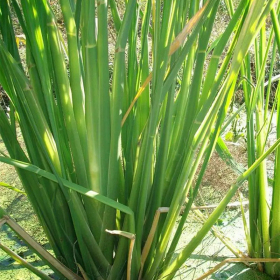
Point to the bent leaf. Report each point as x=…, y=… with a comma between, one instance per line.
x=82, y=190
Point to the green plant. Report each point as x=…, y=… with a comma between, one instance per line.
x=263, y=238
x=100, y=180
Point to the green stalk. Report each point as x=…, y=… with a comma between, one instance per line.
x=262, y=173
x=275, y=208
x=92, y=97
x=103, y=82
x=114, y=159
x=143, y=172
x=76, y=81
x=275, y=212
x=181, y=258
x=71, y=124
